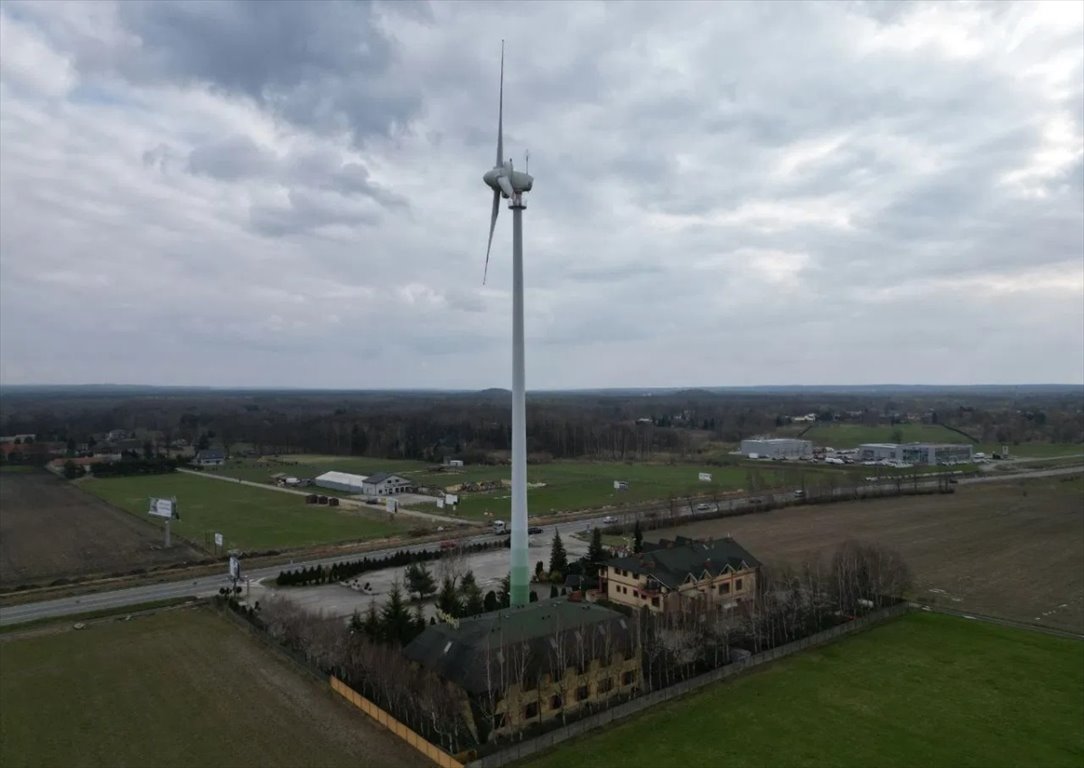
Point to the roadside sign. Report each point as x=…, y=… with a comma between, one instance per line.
x=163, y=508
x=451, y=498
x=389, y=504
x=440, y=503
x=218, y=539
x=235, y=568
x=705, y=477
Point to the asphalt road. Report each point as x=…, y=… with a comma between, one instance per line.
x=209, y=585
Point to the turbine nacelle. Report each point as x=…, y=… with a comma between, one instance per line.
x=507, y=181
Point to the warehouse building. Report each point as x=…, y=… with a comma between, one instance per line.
x=917, y=453
x=777, y=448
x=341, y=481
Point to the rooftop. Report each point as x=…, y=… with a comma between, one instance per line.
x=471, y=653
x=671, y=562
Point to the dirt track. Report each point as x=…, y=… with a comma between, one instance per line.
x=1014, y=550
x=50, y=529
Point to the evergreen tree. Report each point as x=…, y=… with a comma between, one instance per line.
x=417, y=626
x=504, y=596
x=539, y=570
x=491, y=603
x=558, y=556
x=356, y=625
x=637, y=539
x=470, y=595
x=553, y=590
x=420, y=580
x=448, y=600
x=395, y=621
x=371, y=625
x=596, y=553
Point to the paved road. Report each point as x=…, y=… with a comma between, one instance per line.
x=209, y=585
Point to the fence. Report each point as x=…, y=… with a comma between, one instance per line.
x=545, y=741
x=437, y=755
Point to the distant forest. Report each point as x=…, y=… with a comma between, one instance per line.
x=611, y=425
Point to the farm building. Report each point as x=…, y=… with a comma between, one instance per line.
x=212, y=457
x=667, y=576
x=777, y=448
x=341, y=481
x=917, y=453
x=385, y=484
x=520, y=666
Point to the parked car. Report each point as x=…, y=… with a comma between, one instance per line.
x=534, y=529
x=703, y=507
x=609, y=520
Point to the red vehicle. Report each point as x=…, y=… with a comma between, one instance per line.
x=448, y=545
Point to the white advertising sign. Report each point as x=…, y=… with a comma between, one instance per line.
x=705, y=477
x=451, y=498
x=440, y=503
x=390, y=504
x=235, y=567
x=162, y=507
x=218, y=539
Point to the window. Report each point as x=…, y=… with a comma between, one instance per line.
x=655, y=602
x=556, y=701
x=635, y=593
x=531, y=710
x=724, y=588
x=628, y=678
x=582, y=692
x=605, y=685
x=737, y=586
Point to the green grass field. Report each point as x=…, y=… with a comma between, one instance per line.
x=852, y=435
x=926, y=690
x=248, y=518
x=178, y=688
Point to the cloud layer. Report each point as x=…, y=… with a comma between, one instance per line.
x=289, y=194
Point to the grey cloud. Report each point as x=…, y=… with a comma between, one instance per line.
x=307, y=212
x=236, y=157
x=320, y=64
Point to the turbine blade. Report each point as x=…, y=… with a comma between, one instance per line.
x=492, y=226
x=506, y=186
x=500, y=113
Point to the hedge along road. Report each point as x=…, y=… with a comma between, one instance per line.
x=209, y=585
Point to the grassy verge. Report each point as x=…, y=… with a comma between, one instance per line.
x=925, y=690
x=101, y=613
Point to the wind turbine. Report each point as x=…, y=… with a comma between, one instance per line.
x=511, y=184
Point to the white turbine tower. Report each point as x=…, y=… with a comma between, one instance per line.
x=511, y=184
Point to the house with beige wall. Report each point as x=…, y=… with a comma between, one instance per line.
x=670, y=575
x=519, y=666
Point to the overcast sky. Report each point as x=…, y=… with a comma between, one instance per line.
x=282, y=194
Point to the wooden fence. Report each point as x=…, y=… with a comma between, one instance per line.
x=437, y=755
x=524, y=749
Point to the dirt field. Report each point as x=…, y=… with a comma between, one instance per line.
x=1013, y=550
x=183, y=687
x=50, y=529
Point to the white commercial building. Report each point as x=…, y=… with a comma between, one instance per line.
x=385, y=484
x=341, y=481
x=917, y=453
x=777, y=448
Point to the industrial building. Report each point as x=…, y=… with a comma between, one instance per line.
x=341, y=481
x=917, y=453
x=519, y=666
x=386, y=484
x=777, y=448
x=672, y=576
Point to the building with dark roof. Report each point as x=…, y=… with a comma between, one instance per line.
x=519, y=666
x=667, y=576
x=212, y=457
x=386, y=484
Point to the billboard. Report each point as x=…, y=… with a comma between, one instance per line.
x=235, y=567
x=705, y=477
x=218, y=539
x=621, y=485
x=163, y=508
x=440, y=503
x=389, y=504
x=451, y=498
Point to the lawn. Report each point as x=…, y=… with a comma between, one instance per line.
x=178, y=688
x=926, y=690
x=248, y=518
x=853, y=435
